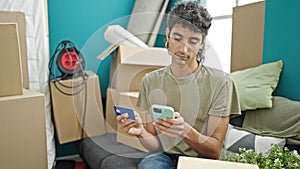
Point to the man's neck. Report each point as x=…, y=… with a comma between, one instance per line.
x=183, y=70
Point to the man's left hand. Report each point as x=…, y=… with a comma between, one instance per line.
x=171, y=127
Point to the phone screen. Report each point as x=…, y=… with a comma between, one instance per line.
x=161, y=112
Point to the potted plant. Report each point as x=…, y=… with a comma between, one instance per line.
x=277, y=158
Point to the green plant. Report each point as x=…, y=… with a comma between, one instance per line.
x=278, y=158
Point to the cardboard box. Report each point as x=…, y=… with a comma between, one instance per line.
x=10, y=65
x=126, y=99
x=195, y=163
x=23, y=131
x=129, y=99
x=19, y=19
x=78, y=110
x=247, y=35
x=129, y=65
x=115, y=97
x=110, y=116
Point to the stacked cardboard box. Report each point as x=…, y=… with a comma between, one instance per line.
x=23, y=131
x=14, y=65
x=11, y=77
x=128, y=67
x=77, y=108
x=22, y=112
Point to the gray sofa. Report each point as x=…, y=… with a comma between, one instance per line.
x=104, y=152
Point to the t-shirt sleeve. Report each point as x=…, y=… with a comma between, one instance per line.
x=225, y=100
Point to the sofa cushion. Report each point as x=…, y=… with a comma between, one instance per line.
x=255, y=85
x=99, y=150
x=282, y=120
x=236, y=139
x=117, y=161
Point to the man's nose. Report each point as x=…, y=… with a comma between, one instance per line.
x=184, y=47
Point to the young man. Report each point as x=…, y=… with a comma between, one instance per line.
x=203, y=98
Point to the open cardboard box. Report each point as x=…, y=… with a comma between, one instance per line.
x=129, y=65
x=129, y=99
x=110, y=116
x=125, y=99
x=115, y=97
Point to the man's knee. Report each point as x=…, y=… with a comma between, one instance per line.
x=157, y=161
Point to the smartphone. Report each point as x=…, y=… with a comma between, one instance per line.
x=161, y=112
x=121, y=110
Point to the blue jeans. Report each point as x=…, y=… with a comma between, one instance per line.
x=157, y=161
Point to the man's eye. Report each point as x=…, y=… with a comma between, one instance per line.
x=193, y=41
x=177, y=38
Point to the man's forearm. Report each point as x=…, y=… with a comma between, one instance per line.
x=208, y=146
x=149, y=141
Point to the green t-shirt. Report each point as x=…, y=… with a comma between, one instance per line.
x=206, y=91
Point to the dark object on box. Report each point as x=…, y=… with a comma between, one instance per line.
x=68, y=60
x=64, y=164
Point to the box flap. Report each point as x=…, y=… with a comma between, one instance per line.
x=144, y=56
x=153, y=56
x=130, y=94
x=107, y=52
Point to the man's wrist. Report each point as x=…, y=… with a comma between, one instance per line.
x=143, y=132
x=186, y=130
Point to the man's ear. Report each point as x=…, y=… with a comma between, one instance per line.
x=202, y=44
x=167, y=34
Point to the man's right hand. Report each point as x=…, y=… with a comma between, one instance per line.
x=131, y=127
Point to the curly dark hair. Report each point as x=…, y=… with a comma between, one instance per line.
x=190, y=14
